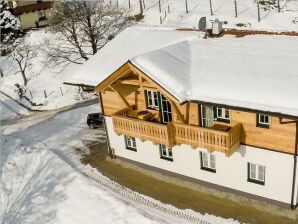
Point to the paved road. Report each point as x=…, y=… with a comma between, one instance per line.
x=47, y=114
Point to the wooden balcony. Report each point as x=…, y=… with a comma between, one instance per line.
x=144, y=130
x=175, y=134
x=213, y=140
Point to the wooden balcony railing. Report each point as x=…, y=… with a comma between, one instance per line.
x=144, y=130
x=175, y=134
x=213, y=140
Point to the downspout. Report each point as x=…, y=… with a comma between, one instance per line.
x=105, y=126
x=293, y=206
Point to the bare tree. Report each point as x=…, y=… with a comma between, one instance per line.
x=23, y=56
x=85, y=27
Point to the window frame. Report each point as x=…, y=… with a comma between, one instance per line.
x=224, y=111
x=41, y=15
x=130, y=143
x=261, y=124
x=208, y=166
x=169, y=153
x=256, y=180
x=153, y=96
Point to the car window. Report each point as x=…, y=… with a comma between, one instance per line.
x=96, y=116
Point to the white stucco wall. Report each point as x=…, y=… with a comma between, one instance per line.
x=231, y=171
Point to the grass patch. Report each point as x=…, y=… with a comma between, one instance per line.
x=180, y=197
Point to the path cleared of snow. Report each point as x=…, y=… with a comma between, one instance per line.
x=41, y=179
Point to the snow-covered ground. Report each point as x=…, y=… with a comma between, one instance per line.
x=9, y=109
x=41, y=179
x=45, y=85
x=224, y=10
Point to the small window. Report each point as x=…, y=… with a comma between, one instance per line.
x=256, y=173
x=41, y=15
x=223, y=114
x=130, y=143
x=263, y=120
x=152, y=99
x=208, y=162
x=165, y=153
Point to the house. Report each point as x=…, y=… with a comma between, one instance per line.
x=31, y=13
x=219, y=111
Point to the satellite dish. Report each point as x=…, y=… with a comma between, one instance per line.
x=202, y=24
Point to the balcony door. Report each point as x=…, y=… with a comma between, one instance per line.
x=207, y=116
x=165, y=109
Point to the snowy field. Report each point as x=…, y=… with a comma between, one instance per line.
x=45, y=84
x=224, y=10
x=41, y=179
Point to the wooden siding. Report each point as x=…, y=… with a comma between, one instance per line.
x=279, y=137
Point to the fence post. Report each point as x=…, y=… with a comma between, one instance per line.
x=168, y=8
x=160, y=19
x=186, y=6
x=211, y=11
x=129, y=6
x=236, y=13
x=61, y=91
x=278, y=6
x=159, y=5
x=31, y=94
x=259, y=16
x=144, y=4
x=45, y=94
x=165, y=13
x=117, y=4
x=141, y=6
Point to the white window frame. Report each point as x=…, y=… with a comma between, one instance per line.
x=165, y=152
x=263, y=118
x=224, y=112
x=208, y=161
x=153, y=96
x=130, y=143
x=256, y=173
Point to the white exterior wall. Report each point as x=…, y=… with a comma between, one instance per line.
x=231, y=171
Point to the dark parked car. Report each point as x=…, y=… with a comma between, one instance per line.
x=95, y=120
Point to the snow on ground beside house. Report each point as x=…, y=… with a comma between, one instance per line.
x=45, y=85
x=9, y=109
x=224, y=10
x=41, y=180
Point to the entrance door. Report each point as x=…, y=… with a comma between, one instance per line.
x=207, y=116
x=165, y=109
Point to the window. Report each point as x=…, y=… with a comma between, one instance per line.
x=165, y=153
x=256, y=173
x=42, y=15
x=263, y=121
x=130, y=143
x=223, y=114
x=208, y=162
x=152, y=99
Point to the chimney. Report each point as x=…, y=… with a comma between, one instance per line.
x=216, y=27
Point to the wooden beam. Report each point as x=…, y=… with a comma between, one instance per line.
x=180, y=116
x=122, y=97
x=135, y=70
x=123, y=70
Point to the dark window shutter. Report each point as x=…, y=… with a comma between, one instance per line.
x=146, y=98
x=201, y=158
x=248, y=171
x=160, y=105
x=215, y=112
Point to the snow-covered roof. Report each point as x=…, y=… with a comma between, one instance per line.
x=131, y=42
x=257, y=72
